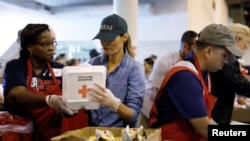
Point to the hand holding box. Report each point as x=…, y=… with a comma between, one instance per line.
x=103, y=96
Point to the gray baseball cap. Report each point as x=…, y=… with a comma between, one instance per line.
x=218, y=34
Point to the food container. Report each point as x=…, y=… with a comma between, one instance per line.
x=89, y=134
x=76, y=80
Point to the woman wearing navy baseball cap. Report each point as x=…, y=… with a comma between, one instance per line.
x=122, y=97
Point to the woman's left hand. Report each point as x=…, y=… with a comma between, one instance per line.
x=103, y=96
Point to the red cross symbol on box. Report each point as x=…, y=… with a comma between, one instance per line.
x=83, y=91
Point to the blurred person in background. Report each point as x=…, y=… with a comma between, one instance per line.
x=123, y=94
x=229, y=81
x=61, y=58
x=16, y=44
x=32, y=83
x=72, y=62
x=154, y=57
x=166, y=61
x=148, y=66
x=93, y=53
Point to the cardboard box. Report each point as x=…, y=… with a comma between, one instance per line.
x=241, y=115
x=76, y=80
x=85, y=133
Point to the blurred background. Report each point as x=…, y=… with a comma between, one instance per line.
x=160, y=23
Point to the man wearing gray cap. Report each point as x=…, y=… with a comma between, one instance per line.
x=229, y=81
x=192, y=104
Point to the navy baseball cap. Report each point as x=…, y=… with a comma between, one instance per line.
x=111, y=26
